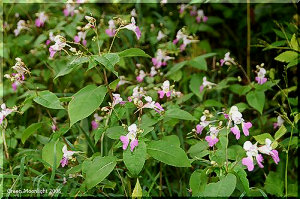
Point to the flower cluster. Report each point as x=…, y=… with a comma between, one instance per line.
x=21, y=25
x=18, y=77
x=41, y=19
x=161, y=58
x=111, y=31
x=168, y=90
x=60, y=43
x=186, y=39
x=252, y=151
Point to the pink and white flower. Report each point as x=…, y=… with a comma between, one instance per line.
x=204, y=123
x=21, y=25
x=153, y=71
x=80, y=36
x=166, y=90
x=42, y=18
x=69, y=10
x=137, y=94
x=201, y=16
x=279, y=122
x=19, y=77
x=185, y=38
x=60, y=43
x=134, y=28
x=212, y=138
x=5, y=112
x=260, y=78
x=122, y=81
x=133, y=13
x=141, y=76
x=161, y=58
x=182, y=8
x=206, y=84
x=111, y=31
x=193, y=11
x=66, y=156
x=153, y=105
x=227, y=60
x=252, y=151
x=91, y=22
x=95, y=122
x=51, y=38
x=237, y=118
x=54, y=124
x=268, y=150
x=117, y=99
x=130, y=137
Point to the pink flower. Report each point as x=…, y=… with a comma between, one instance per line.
x=246, y=126
x=5, y=112
x=67, y=155
x=48, y=42
x=80, y=36
x=95, y=125
x=200, y=15
x=212, y=139
x=279, y=122
x=236, y=131
x=21, y=25
x=227, y=60
x=69, y=10
x=202, y=125
x=161, y=58
x=141, y=76
x=206, y=84
x=267, y=149
x=252, y=151
x=193, y=11
x=153, y=105
x=60, y=43
x=134, y=28
x=42, y=18
x=111, y=31
x=261, y=79
x=182, y=8
x=165, y=90
x=199, y=129
x=130, y=137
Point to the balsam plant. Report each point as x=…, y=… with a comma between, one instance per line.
x=119, y=104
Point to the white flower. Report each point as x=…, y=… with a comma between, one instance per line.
x=160, y=35
x=235, y=115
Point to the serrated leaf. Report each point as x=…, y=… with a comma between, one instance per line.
x=294, y=43
x=287, y=56
x=280, y=132
x=85, y=102
x=30, y=130
x=48, y=99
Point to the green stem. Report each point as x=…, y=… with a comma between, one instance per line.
x=87, y=138
x=248, y=38
x=287, y=161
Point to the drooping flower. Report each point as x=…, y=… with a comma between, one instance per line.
x=279, y=122
x=141, y=76
x=182, y=8
x=21, y=25
x=42, y=18
x=227, y=60
x=268, y=150
x=60, y=43
x=161, y=58
x=260, y=78
x=252, y=151
x=201, y=16
x=185, y=38
x=80, y=36
x=186, y=41
x=153, y=105
x=5, y=112
x=165, y=90
x=122, y=81
x=95, y=122
x=117, y=99
x=133, y=13
x=160, y=35
x=69, y=10
x=134, y=28
x=51, y=38
x=138, y=93
x=206, y=84
x=111, y=31
x=54, y=124
x=237, y=118
x=66, y=156
x=204, y=123
x=130, y=137
x=91, y=22
x=212, y=138
x=193, y=11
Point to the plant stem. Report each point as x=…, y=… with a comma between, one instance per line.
x=248, y=38
x=226, y=149
x=287, y=160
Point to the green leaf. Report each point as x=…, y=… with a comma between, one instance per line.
x=195, y=84
x=280, y=132
x=85, y=102
x=176, y=67
x=256, y=99
x=287, y=56
x=179, y=114
x=133, y=52
x=167, y=153
x=137, y=191
x=212, y=103
x=198, y=182
x=262, y=138
x=134, y=161
x=223, y=188
x=199, y=63
x=48, y=99
x=30, y=130
x=98, y=169
x=109, y=61
x=51, y=150
x=199, y=150
x=242, y=176
x=274, y=184
x=239, y=89
x=115, y=132
x=74, y=64
x=113, y=85
x=294, y=43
